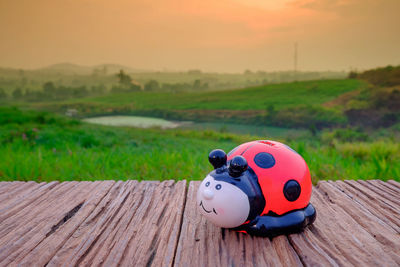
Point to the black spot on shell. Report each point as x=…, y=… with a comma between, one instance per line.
x=264, y=160
x=292, y=190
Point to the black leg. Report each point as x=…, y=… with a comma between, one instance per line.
x=288, y=223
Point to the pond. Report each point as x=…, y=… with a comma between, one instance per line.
x=148, y=122
x=134, y=121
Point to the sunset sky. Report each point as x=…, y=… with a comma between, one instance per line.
x=211, y=35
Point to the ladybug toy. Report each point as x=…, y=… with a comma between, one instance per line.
x=262, y=188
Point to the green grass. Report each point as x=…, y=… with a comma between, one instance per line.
x=255, y=130
x=43, y=147
x=254, y=98
x=291, y=105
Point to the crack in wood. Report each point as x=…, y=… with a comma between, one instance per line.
x=82, y=222
x=151, y=258
x=67, y=216
x=89, y=243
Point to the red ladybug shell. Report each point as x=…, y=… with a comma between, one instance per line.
x=288, y=165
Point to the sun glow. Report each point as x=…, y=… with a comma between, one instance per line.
x=225, y=35
x=267, y=4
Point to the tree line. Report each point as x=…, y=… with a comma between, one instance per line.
x=125, y=84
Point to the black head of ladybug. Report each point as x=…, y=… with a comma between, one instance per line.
x=238, y=174
x=217, y=158
x=237, y=166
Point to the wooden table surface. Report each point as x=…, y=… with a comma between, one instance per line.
x=149, y=223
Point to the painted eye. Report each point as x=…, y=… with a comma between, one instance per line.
x=207, y=184
x=218, y=186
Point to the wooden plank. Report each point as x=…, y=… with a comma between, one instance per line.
x=21, y=240
x=341, y=236
x=388, y=238
x=286, y=253
x=156, y=223
x=392, y=187
x=164, y=222
x=62, y=231
x=92, y=250
x=21, y=186
x=22, y=213
x=314, y=246
x=23, y=190
x=135, y=224
x=20, y=217
x=381, y=192
x=315, y=251
x=87, y=230
x=4, y=186
x=203, y=244
x=20, y=227
x=395, y=183
x=8, y=187
x=380, y=210
x=15, y=206
x=373, y=196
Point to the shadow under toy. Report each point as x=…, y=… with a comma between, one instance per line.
x=262, y=188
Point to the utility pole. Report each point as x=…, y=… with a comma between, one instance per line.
x=295, y=61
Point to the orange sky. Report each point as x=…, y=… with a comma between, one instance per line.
x=212, y=35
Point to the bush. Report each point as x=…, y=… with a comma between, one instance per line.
x=353, y=75
x=152, y=85
x=3, y=94
x=308, y=116
x=17, y=93
x=387, y=76
x=345, y=135
x=13, y=115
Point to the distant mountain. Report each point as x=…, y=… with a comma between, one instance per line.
x=385, y=76
x=111, y=68
x=71, y=69
x=66, y=68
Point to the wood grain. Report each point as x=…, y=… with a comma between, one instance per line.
x=135, y=224
x=395, y=183
x=379, y=209
x=19, y=193
x=64, y=228
x=40, y=221
x=152, y=223
x=203, y=244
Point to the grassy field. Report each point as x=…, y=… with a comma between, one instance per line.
x=42, y=146
x=254, y=98
x=344, y=129
x=290, y=105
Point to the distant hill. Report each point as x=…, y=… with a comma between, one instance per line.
x=104, y=75
x=113, y=68
x=74, y=69
x=67, y=69
x=386, y=76
x=378, y=104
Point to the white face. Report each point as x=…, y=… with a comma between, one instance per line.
x=222, y=203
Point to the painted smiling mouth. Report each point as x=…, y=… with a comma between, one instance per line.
x=201, y=204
